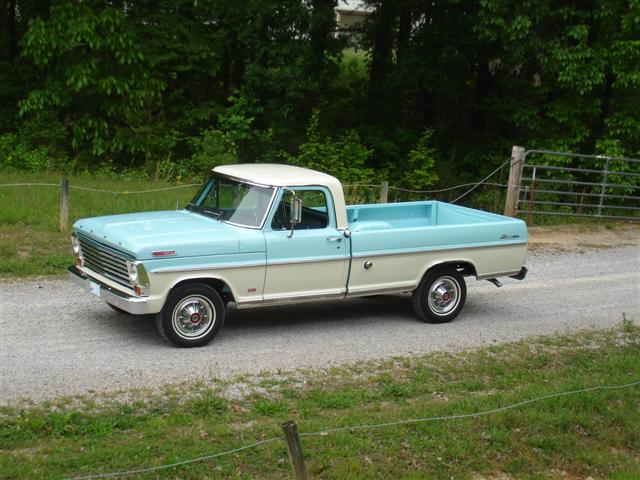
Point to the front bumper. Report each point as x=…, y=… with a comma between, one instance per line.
x=128, y=303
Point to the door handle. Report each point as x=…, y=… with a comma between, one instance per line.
x=337, y=238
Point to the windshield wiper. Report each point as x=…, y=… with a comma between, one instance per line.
x=215, y=213
x=192, y=207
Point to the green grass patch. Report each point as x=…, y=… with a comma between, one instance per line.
x=592, y=434
x=30, y=239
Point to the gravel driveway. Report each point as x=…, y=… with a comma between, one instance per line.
x=56, y=340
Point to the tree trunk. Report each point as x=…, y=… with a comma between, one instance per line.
x=322, y=24
x=384, y=20
x=12, y=34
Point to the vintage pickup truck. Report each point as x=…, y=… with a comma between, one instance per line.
x=261, y=234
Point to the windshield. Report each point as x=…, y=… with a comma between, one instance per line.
x=233, y=201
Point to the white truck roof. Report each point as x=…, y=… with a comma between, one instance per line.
x=279, y=175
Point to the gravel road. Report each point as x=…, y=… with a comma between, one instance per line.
x=56, y=340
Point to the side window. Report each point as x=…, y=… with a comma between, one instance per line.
x=314, y=211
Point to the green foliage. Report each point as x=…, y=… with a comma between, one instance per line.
x=344, y=157
x=145, y=88
x=417, y=171
x=15, y=154
x=96, y=79
x=212, y=148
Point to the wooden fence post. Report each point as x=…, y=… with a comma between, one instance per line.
x=295, y=449
x=384, y=191
x=515, y=175
x=64, y=205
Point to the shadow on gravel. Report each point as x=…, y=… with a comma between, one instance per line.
x=138, y=329
x=357, y=311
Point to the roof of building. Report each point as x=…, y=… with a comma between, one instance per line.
x=353, y=6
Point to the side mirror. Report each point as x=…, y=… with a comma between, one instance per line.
x=296, y=210
x=296, y=213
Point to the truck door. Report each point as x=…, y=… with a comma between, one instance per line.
x=313, y=262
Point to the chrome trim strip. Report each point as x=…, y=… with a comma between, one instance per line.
x=435, y=249
x=378, y=291
x=287, y=300
x=306, y=260
x=128, y=303
x=208, y=266
x=247, y=265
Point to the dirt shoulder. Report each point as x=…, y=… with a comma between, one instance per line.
x=564, y=238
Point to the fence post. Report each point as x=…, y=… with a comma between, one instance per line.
x=295, y=449
x=384, y=191
x=603, y=190
x=515, y=175
x=532, y=198
x=64, y=205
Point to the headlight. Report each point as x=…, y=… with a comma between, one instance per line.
x=133, y=271
x=139, y=278
x=75, y=244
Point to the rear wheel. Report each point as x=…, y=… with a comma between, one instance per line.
x=440, y=295
x=192, y=315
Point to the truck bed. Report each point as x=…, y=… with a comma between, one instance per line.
x=414, y=234
x=413, y=214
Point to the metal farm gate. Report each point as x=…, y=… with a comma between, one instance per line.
x=573, y=184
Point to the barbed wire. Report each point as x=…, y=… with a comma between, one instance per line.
x=172, y=465
x=353, y=185
x=469, y=415
x=87, y=189
x=349, y=185
x=482, y=181
x=408, y=190
x=360, y=427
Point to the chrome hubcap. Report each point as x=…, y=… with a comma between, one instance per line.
x=193, y=317
x=444, y=295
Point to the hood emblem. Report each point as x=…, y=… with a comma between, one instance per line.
x=164, y=253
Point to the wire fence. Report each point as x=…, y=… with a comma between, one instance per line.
x=488, y=196
x=353, y=428
x=98, y=190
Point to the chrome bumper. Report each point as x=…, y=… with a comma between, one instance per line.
x=128, y=303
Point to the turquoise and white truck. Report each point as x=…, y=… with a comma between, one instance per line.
x=263, y=234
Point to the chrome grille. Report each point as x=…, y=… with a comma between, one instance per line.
x=105, y=260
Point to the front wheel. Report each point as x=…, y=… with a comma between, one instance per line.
x=440, y=295
x=192, y=315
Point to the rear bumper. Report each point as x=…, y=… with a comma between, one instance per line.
x=128, y=303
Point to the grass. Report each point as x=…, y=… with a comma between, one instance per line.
x=595, y=434
x=30, y=239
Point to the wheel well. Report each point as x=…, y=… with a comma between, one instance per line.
x=218, y=285
x=466, y=268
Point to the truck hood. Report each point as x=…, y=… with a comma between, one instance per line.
x=188, y=234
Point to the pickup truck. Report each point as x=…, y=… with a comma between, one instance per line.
x=262, y=234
